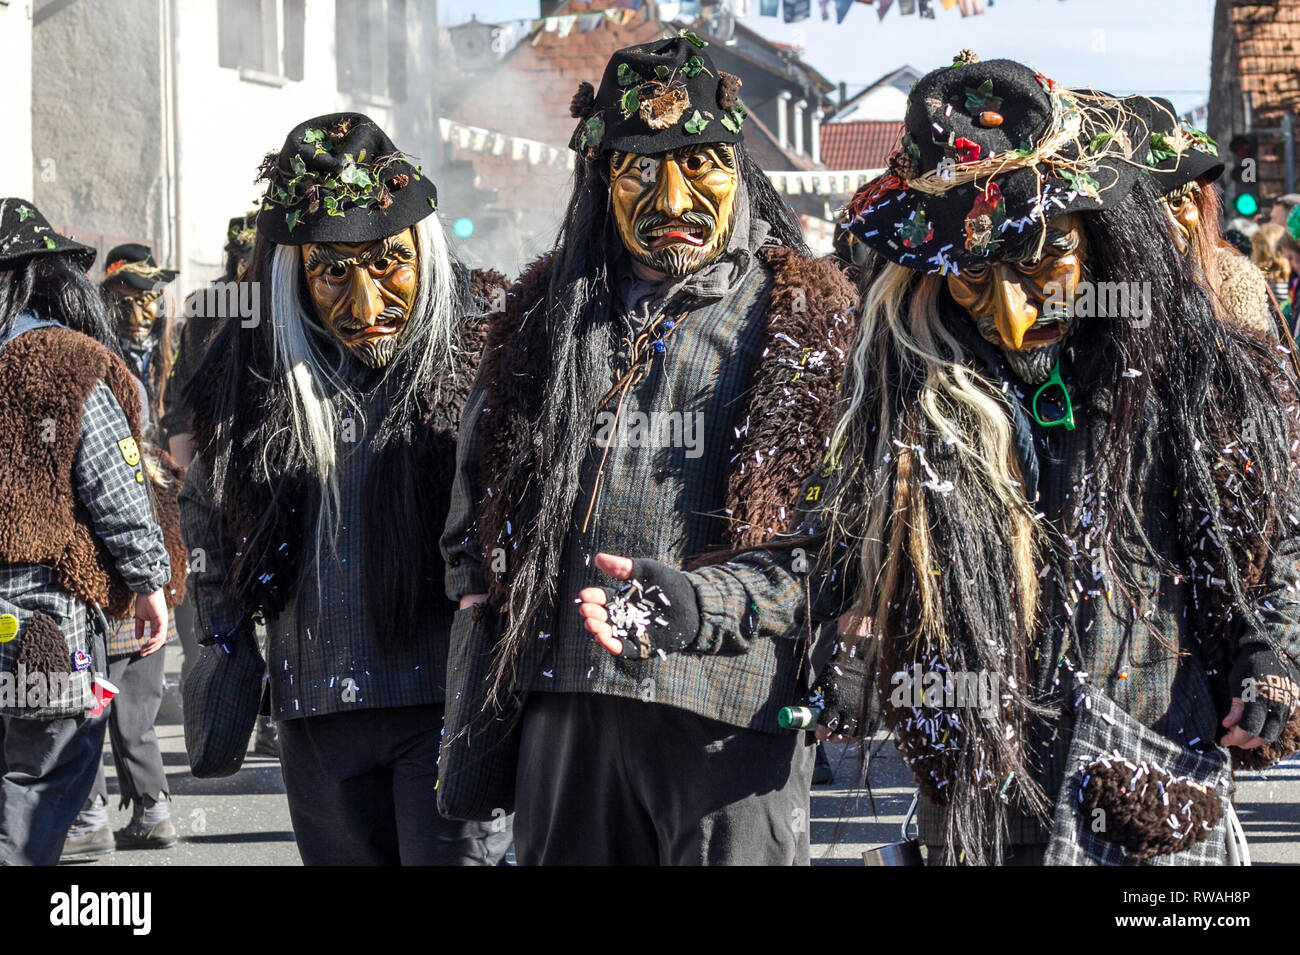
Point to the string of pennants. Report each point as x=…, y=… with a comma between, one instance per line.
x=821, y=182
x=520, y=149
x=480, y=140
x=793, y=11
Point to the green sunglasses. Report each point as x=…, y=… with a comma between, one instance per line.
x=1054, y=379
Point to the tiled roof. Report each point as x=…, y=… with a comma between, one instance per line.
x=861, y=145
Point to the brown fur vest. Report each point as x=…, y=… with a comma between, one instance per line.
x=48, y=373
x=810, y=309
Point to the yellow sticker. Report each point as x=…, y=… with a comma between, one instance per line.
x=130, y=451
x=8, y=627
x=139, y=477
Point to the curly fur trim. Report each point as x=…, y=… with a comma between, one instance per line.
x=166, y=478
x=783, y=427
x=1270, y=754
x=1244, y=293
x=48, y=374
x=1145, y=809
x=44, y=648
x=583, y=101
x=728, y=90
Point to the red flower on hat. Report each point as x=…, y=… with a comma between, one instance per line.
x=113, y=267
x=967, y=151
x=1044, y=82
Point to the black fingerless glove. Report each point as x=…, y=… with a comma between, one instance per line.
x=656, y=611
x=1263, y=681
x=842, y=690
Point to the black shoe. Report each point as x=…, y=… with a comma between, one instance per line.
x=823, y=772
x=266, y=738
x=136, y=835
x=90, y=844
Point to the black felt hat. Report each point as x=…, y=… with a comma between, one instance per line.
x=1176, y=153
x=24, y=232
x=657, y=97
x=241, y=233
x=339, y=178
x=992, y=151
x=132, y=264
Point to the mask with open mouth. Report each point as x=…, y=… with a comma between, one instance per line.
x=363, y=292
x=1023, y=305
x=674, y=210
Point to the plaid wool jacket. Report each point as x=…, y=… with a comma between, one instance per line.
x=667, y=501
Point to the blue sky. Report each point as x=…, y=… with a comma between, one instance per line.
x=1161, y=47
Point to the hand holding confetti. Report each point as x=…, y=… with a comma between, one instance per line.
x=655, y=612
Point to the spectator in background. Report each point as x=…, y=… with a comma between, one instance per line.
x=1282, y=208
x=133, y=287
x=1277, y=255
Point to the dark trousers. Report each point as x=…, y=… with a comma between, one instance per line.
x=46, y=770
x=139, y=762
x=610, y=781
x=361, y=792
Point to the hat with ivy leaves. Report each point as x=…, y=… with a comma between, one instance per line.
x=991, y=152
x=1177, y=153
x=241, y=234
x=24, y=232
x=657, y=97
x=339, y=178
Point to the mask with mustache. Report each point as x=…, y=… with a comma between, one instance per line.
x=1023, y=305
x=136, y=311
x=364, y=292
x=674, y=210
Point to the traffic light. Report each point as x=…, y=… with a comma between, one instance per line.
x=459, y=184
x=1245, y=148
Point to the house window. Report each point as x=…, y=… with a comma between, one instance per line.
x=371, y=42
x=261, y=38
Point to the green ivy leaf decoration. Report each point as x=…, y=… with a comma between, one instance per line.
x=354, y=175
x=662, y=72
x=24, y=213
x=627, y=76
x=911, y=149
x=982, y=97
x=1161, y=149
x=332, y=206
x=729, y=124
x=593, y=133
x=49, y=243
x=297, y=165
x=291, y=219
x=695, y=125
x=631, y=101
x=1023, y=150
x=1082, y=183
x=693, y=66
x=1101, y=139
x=1201, y=140
x=314, y=136
x=688, y=35
x=432, y=204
